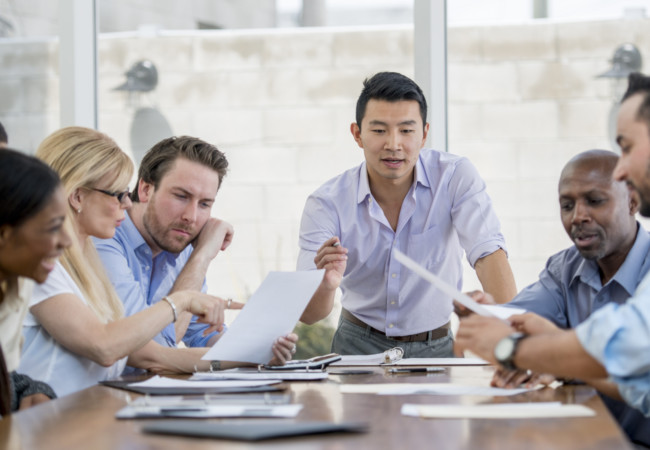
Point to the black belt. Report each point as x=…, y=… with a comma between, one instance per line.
x=438, y=333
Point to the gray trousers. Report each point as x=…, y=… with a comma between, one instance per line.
x=351, y=339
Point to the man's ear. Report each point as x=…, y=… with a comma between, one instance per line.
x=635, y=200
x=355, y=129
x=426, y=133
x=75, y=199
x=145, y=191
x=5, y=234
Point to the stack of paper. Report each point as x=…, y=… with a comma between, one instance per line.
x=181, y=410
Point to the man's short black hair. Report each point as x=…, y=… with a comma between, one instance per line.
x=390, y=87
x=639, y=84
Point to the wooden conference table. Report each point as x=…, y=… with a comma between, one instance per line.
x=85, y=420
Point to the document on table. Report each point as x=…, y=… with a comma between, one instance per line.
x=234, y=410
x=238, y=374
x=465, y=300
x=272, y=311
x=497, y=411
x=428, y=388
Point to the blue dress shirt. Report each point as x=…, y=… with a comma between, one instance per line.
x=141, y=281
x=569, y=291
x=446, y=211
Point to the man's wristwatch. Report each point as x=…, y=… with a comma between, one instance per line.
x=505, y=350
x=215, y=365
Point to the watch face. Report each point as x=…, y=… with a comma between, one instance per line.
x=504, y=349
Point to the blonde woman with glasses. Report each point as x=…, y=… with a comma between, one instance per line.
x=75, y=332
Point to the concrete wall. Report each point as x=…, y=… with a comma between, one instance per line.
x=523, y=100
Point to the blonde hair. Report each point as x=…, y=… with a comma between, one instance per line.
x=81, y=157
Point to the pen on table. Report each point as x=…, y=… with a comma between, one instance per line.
x=416, y=370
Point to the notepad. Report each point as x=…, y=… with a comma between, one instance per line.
x=497, y=411
x=428, y=388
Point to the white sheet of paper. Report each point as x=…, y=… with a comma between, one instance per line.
x=441, y=362
x=427, y=388
x=445, y=287
x=132, y=411
x=285, y=375
x=164, y=382
x=272, y=311
x=497, y=411
x=503, y=312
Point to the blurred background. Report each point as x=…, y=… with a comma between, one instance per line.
x=273, y=83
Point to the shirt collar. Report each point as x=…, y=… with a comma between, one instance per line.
x=133, y=236
x=628, y=274
x=363, y=190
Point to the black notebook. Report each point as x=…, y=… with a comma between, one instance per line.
x=250, y=430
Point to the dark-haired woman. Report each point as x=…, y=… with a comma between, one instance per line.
x=32, y=212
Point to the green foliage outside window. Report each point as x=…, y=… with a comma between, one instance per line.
x=313, y=340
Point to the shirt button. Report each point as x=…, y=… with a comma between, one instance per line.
x=392, y=303
x=390, y=326
x=394, y=275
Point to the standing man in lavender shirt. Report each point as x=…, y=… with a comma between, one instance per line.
x=428, y=204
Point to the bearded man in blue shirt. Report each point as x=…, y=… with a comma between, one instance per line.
x=168, y=238
x=430, y=205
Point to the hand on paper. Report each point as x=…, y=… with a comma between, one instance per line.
x=208, y=308
x=480, y=335
x=530, y=323
x=504, y=378
x=333, y=258
x=479, y=297
x=283, y=349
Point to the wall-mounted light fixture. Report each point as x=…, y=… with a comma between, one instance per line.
x=626, y=59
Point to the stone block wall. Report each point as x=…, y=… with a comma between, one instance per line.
x=279, y=103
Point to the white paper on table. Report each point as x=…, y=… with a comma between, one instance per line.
x=285, y=375
x=164, y=382
x=497, y=411
x=441, y=362
x=428, y=388
x=134, y=411
x=272, y=311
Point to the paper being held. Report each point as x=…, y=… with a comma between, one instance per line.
x=455, y=294
x=272, y=311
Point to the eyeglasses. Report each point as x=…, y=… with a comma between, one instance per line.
x=121, y=196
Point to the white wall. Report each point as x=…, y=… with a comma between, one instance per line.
x=523, y=100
